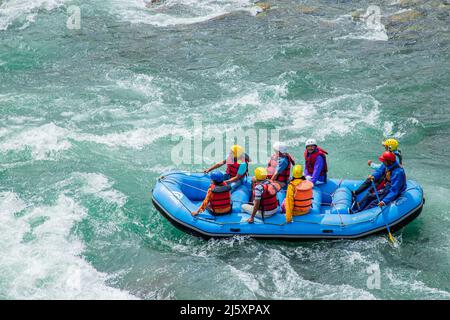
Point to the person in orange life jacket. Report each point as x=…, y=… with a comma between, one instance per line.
x=265, y=202
x=295, y=203
x=237, y=166
x=316, y=167
x=393, y=183
x=218, y=196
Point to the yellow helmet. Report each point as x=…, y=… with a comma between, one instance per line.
x=237, y=150
x=297, y=172
x=260, y=173
x=392, y=144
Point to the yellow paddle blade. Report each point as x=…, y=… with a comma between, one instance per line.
x=391, y=238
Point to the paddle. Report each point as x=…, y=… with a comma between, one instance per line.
x=356, y=201
x=391, y=238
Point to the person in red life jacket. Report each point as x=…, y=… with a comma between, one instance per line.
x=218, y=196
x=279, y=166
x=391, y=180
x=316, y=167
x=265, y=202
x=237, y=166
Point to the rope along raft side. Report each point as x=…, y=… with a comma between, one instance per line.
x=177, y=194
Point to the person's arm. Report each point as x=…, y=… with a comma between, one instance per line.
x=289, y=203
x=217, y=165
x=241, y=171
x=235, y=178
x=374, y=165
x=396, y=186
x=318, y=166
x=204, y=203
x=281, y=166
x=256, y=202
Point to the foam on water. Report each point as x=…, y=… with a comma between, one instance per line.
x=136, y=139
x=346, y=114
x=339, y=115
x=179, y=12
x=367, y=28
x=140, y=83
x=3, y=132
x=24, y=10
x=158, y=169
x=41, y=259
x=44, y=142
x=257, y=103
x=248, y=279
x=239, y=102
x=96, y=190
x=399, y=129
x=407, y=284
x=22, y=119
x=267, y=103
x=275, y=272
x=290, y=283
x=99, y=185
x=370, y=34
x=282, y=281
x=10, y=203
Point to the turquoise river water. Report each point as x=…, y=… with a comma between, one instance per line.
x=89, y=117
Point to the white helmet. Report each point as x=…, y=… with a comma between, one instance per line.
x=280, y=147
x=310, y=142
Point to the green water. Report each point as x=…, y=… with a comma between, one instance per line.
x=88, y=119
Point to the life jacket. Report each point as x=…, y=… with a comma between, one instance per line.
x=284, y=175
x=386, y=178
x=303, y=196
x=269, y=199
x=233, y=165
x=220, y=197
x=310, y=160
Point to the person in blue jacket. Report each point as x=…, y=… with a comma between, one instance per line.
x=392, y=182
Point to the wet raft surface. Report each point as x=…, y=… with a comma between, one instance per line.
x=177, y=194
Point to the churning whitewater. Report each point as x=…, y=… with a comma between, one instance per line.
x=91, y=116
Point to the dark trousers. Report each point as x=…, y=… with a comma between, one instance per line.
x=370, y=200
x=367, y=184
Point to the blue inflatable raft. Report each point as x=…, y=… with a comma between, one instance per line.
x=176, y=194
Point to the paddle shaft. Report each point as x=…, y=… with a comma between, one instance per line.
x=378, y=199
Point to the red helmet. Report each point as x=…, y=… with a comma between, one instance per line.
x=387, y=156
